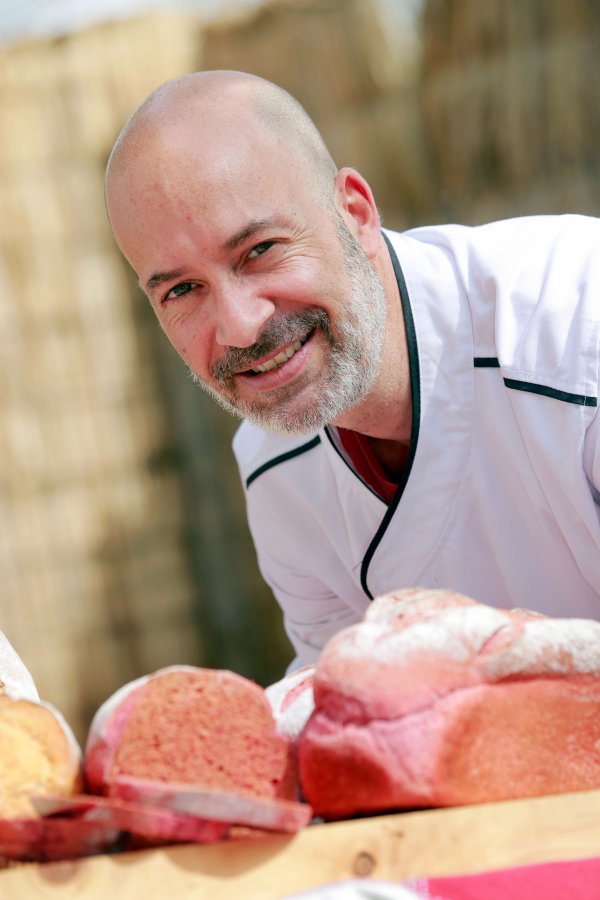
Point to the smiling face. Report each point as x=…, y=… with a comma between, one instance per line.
x=254, y=273
x=273, y=381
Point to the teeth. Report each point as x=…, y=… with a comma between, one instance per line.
x=278, y=360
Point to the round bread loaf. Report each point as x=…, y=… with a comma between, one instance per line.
x=436, y=700
x=202, y=727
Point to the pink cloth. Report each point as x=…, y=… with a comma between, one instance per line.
x=574, y=880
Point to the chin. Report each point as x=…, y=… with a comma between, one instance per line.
x=286, y=424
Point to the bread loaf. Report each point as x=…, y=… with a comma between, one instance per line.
x=192, y=726
x=39, y=756
x=436, y=700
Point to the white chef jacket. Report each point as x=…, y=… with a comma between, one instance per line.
x=501, y=495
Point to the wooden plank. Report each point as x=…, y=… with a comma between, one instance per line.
x=395, y=847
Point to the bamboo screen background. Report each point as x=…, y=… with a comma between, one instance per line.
x=123, y=543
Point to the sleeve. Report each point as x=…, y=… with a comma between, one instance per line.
x=290, y=501
x=311, y=612
x=591, y=456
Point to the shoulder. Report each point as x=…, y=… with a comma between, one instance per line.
x=258, y=451
x=534, y=293
x=544, y=230
x=567, y=241
x=538, y=247
x=531, y=286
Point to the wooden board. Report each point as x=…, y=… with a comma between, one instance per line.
x=395, y=847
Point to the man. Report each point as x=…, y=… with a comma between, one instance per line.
x=420, y=408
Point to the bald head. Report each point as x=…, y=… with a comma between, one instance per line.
x=248, y=241
x=224, y=108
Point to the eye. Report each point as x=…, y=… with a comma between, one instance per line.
x=259, y=249
x=180, y=290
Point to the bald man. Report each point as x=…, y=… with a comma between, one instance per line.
x=420, y=408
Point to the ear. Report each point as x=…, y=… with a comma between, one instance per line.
x=355, y=203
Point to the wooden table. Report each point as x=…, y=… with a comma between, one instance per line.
x=394, y=847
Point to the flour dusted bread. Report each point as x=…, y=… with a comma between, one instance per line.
x=191, y=726
x=436, y=700
x=39, y=756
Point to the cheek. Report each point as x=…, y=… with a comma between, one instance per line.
x=303, y=285
x=190, y=340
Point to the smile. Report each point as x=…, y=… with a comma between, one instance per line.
x=281, y=357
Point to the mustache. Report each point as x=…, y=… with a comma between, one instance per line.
x=283, y=330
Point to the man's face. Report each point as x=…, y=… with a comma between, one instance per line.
x=262, y=290
x=351, y=351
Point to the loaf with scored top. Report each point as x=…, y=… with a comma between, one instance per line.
x=437, y=700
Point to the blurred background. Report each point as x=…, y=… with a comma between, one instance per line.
x=123, y=541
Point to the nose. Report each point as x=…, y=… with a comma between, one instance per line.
x=240, y=315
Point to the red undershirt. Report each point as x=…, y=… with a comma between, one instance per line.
x=366, y=463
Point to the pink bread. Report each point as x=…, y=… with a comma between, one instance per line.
x=46, y=840
x=203, y=727
x=436, y=700
x=152, y=824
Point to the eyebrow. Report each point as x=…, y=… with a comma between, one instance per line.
x=231, y=243
x=247, y=231
x=161, y=278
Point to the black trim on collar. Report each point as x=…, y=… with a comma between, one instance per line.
x=415, y=389
x=485, y=362
x=283, y=457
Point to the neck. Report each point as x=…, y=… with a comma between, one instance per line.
x=385, y=415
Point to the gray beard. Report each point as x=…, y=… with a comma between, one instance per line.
x=352, y=364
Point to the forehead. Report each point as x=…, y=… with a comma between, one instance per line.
x=177, y=181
